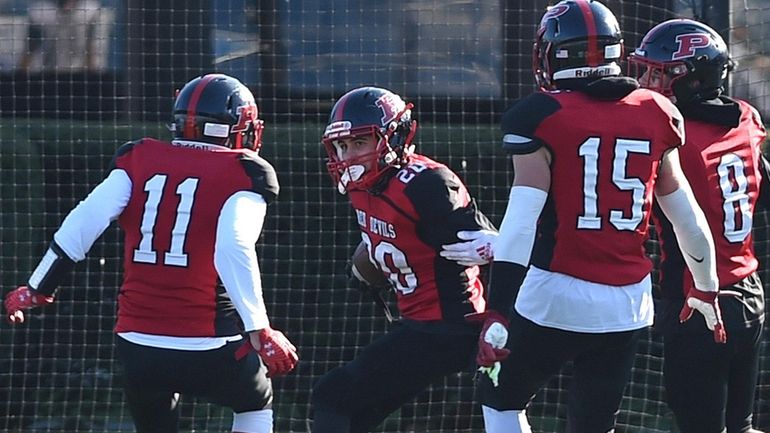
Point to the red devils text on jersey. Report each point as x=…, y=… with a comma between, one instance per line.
x=605, y=157
x=723, y=165
x=422, y=207
x=170, y=286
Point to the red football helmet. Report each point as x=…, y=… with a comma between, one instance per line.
x=364, y=111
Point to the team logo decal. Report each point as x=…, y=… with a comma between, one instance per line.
x=247, y=114
x=688, y=43
x=390, y=106
x=554, y=12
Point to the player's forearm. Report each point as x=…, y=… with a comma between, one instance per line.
x=517, y=231
x=53, y=267
x=79, y=230
x=513, y=246
x=693, y=235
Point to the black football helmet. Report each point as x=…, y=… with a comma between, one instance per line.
x=364, y=111
x=682, y=58
x=576, y=39
x=218, y=109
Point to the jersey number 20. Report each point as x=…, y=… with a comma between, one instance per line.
x=399, y=273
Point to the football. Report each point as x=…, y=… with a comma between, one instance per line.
x=365, y=270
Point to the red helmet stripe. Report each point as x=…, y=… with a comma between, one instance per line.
x=339, y=114
x=192, y=105
x=595, y=58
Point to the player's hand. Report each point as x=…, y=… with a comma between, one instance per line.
x=494, y=335
x=276, y=351
x=23, y=298
x=365, y=289
x=477, y=248
x=707, y=303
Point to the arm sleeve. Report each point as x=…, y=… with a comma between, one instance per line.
x=513, y=247
x=235, y=258
x=80, y=229
x=517, y=231
x=91, y=217
x=694, y=236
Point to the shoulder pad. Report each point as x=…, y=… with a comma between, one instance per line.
x=677, y=120
x=755, y=116
x=436, y=191
x=671, y=111
x=521, y=121
x=264, y=180
x=122, y=150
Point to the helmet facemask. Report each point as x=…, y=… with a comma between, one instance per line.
x=393, y=148
x=657, y=76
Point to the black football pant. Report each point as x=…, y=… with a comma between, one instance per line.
x=601, y=369
x=389, y=372
x=711, y=386
x=153, y=377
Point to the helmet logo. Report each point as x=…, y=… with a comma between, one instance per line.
x=553, y=12
x=390, y=105
x=688, y=43
x=247, y=114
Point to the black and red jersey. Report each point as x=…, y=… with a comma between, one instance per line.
x=605, y=158
x=723, y=164
x=422, y=206
x=170, y=285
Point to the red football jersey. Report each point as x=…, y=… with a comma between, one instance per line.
x=606, y=154
x=170, y=286
x=722, y=165
x=422, y=207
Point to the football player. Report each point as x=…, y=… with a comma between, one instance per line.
x=589, y=151
x=407, y=205
x=709, y=387
x=191, y=212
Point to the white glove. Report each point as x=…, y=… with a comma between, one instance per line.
x=707, y=303
x=477, y=249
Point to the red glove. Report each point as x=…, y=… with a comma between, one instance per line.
x=23, y=298
x=276, y=351
x=494, y=335
x=707, y=303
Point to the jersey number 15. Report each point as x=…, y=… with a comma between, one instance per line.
x=589, y=151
